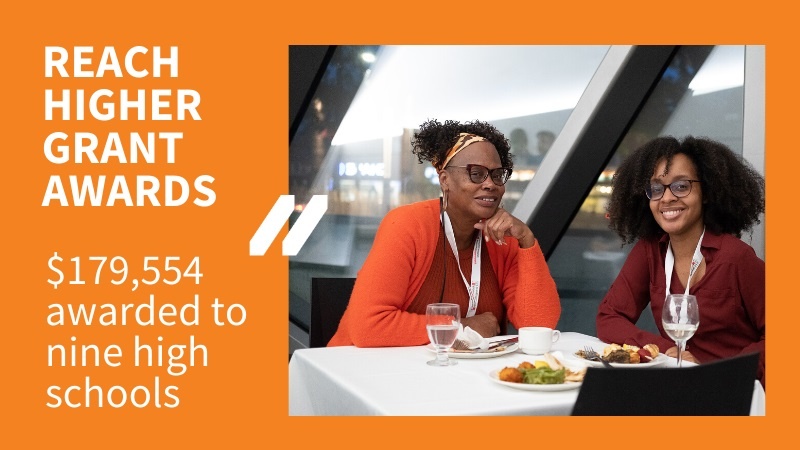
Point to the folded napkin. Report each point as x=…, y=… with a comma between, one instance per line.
x=472, y=338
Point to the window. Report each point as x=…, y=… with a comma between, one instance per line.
x=354, y=142
x=701, y=93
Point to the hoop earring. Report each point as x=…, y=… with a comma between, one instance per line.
x=444, y=199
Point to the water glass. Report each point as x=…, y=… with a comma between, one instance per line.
x=443, y=324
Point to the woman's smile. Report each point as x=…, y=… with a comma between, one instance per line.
x=671, y=214
x=487, y=201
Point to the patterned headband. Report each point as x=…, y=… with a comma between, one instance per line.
x=464, y=139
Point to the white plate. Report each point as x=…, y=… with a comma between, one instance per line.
x=535, y=387
x=478, y=355
x=659, y=360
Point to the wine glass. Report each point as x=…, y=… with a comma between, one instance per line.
x=443, y=324
x=680, y=317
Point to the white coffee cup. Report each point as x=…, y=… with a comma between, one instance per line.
x=537, y=340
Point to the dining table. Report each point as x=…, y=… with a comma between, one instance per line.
x=396, y=381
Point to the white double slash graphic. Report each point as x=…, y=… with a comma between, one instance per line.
x=299, y=232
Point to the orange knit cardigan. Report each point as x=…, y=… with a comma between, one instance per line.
x=398, y=263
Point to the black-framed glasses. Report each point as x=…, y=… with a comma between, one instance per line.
x=478, y=173
x=680, y=188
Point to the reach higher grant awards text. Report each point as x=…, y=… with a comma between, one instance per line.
x=135, y=147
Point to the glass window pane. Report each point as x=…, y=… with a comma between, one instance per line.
x=354, y=143
x=701, y=94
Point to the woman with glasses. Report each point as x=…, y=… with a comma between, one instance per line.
x=462, y=248
x=686, y=204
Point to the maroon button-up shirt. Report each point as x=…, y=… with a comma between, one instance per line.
x=730, y=296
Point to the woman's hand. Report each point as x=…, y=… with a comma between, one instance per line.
x=685, y=356
x=503, y=224
x=485, y=324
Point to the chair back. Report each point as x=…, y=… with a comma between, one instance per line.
x=329, y=298
x=720, y=388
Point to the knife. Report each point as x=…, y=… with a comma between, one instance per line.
x=503, y=342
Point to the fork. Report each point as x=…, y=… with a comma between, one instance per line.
x=592, y=355
x=460, y=345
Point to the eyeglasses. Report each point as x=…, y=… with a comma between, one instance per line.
x=478, y=173
x=680, y=188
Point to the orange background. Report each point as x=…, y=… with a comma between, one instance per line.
x=236, y=56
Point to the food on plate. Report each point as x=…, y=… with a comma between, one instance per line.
x=619, y=356
x=552, y=361
x=526, y=365
x=626, y=354
x=575, y=376
x=538, y=364
x=652, y=349
x=532, y=375
x=547, y=371
x=511, y=374
x=544, y=375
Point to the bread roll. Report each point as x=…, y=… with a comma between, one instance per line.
x=653, y=349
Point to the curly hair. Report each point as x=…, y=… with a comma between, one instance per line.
x=733, y=192
x=434, y=139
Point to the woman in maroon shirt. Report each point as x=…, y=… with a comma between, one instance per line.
x=686, y=205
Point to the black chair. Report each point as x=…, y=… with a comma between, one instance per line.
x=720, y=388
x=329, y=298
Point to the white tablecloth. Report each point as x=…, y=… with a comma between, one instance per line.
x=396, y=381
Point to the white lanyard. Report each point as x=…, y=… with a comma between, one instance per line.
x=474, y=288
x=669, y=263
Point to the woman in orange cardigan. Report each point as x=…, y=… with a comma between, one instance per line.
x=463, y=248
